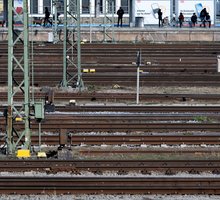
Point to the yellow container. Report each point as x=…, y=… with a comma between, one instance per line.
x=23, y=153
x=18, y=119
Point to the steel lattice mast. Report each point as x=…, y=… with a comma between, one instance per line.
x=18, y=64
x=72, y=74
x=108, y=22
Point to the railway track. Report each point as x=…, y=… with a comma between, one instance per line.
x=118, y=125
x=138, y=140
x=109, y=185
x=162, y=64
x=62, y=97
x=126, y=127
x=142, y=109
x=127, y=119
x=126, y=109
x=148, y=140
x=135, y=125
x=121, y=167
x=124, y=79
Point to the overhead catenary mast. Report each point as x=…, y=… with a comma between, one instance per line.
x=72, y=45
x=18, y=63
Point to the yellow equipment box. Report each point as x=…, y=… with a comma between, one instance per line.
x=23, y=153
x=41, y=154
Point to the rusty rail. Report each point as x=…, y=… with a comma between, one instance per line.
x=109, y=185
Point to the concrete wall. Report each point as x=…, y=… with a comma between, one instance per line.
x=134, y=35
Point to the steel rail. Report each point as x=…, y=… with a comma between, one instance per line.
x=187, y=61
x=166, y=109
x=190, y=152
x=99, y=139
x=109, y=185
x=180, y=118
x=125, y=80
x=119, y=166
x=56, y=126
x=96, y=96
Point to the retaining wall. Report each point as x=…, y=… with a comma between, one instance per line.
x=132, y=34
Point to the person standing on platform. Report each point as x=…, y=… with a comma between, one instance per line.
x=208, y=19
x=194, y=19
x=160, y=14
x=120, y=14
x=47, y=16
x=203, y=17
x=181, y=19
x=203, y=14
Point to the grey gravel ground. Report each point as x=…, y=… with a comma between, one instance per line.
x=143, y=90
x=109, y=197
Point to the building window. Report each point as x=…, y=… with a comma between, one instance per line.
x=34, y=7
x=85, y=7
x=101, y=5
x=47, y=3
x=107, y=4
x=217, y=10
x=124, y=5
x=60, y=7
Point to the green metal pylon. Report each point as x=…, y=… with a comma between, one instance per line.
x=18, y=63
x=72, y=45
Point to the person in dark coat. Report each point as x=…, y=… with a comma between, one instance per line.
x=202, y=16
x=194, y=19
x=120, y=14
x=160, y=18
x=47, y=17
x=208, y=19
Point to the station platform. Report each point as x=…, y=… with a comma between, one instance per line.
x=130, y=34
